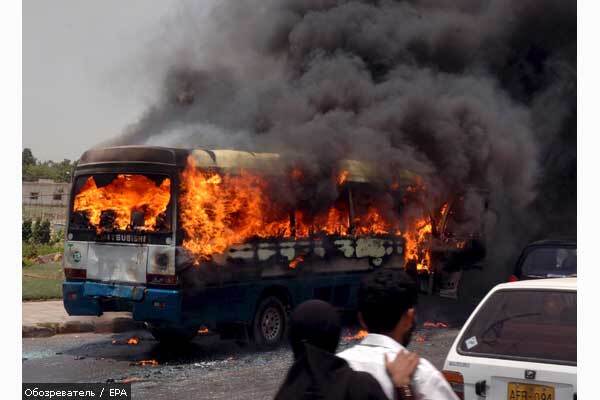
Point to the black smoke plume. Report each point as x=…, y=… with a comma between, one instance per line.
x=465, y=93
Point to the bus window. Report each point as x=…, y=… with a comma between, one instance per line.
x=373, y=210
x=104, y=203
x=332, y=220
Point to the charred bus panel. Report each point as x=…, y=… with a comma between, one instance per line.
x=458, y=250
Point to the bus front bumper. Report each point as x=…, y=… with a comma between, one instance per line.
x=146, y=304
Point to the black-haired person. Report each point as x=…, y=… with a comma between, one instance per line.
x=317, y=373
x=386, y=309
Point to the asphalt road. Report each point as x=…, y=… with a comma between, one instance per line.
x=207, y=368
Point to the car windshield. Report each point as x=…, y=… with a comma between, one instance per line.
x=550, y=261
x=535, y=325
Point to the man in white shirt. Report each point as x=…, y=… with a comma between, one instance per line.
x=386, y=301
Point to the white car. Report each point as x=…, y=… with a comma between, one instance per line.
x=520, y=343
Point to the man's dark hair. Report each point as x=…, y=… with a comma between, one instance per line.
x=317, y=323
x=384, y=296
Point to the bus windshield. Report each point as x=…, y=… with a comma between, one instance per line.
x=115, y=203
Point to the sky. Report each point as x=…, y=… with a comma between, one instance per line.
x=85, y=70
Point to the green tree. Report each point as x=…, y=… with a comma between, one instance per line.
x=26, y=227
x=28, y=158
x=41, y=232
x=57, y=171
x=57, y=236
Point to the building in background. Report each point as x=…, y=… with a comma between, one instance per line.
x=46, y=199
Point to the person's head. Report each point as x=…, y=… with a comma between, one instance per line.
x=553, y=305
x=317, y=323
x=386, y=301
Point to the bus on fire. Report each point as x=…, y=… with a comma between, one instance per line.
x=229, y=240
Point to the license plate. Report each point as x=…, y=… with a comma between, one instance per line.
x=525, y=391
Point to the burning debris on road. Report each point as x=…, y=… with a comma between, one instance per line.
x=203, y=331
x=132, y=341
x=145, y=363
x=435, y=325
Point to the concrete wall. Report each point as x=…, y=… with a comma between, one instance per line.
x=45, y=192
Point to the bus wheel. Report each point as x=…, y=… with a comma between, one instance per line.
x=172, y=335
x=270, y=322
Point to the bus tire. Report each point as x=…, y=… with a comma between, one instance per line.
x=270, y=323
x=172, y=335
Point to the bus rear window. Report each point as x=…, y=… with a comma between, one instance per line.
x=531, y=325
x=121, y=203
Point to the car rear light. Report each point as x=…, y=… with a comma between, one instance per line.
x=155, y=279
x=75, y=273
x=513, y=278
x=456, y=381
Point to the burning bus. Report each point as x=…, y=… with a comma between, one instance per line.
x=231, y=240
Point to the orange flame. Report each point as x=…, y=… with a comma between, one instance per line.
x=294, y=263
x=145, y=363
x=333, y=222
x=417, y=238
x=297, y=174
x=361, y=334
x=218, y=210
x=133, y=340
x=415, y=247
x=444, y=209
x=125, y=195
x=342, y=177
x=372, y=223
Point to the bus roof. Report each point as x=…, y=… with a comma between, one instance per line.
x=234, y=159
x=222, y=159
x=133, y=154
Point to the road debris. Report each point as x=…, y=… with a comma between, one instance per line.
x=419, y=338
x=145, y=363
x=203, y=330
x=437, y=325
x=133, y=341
